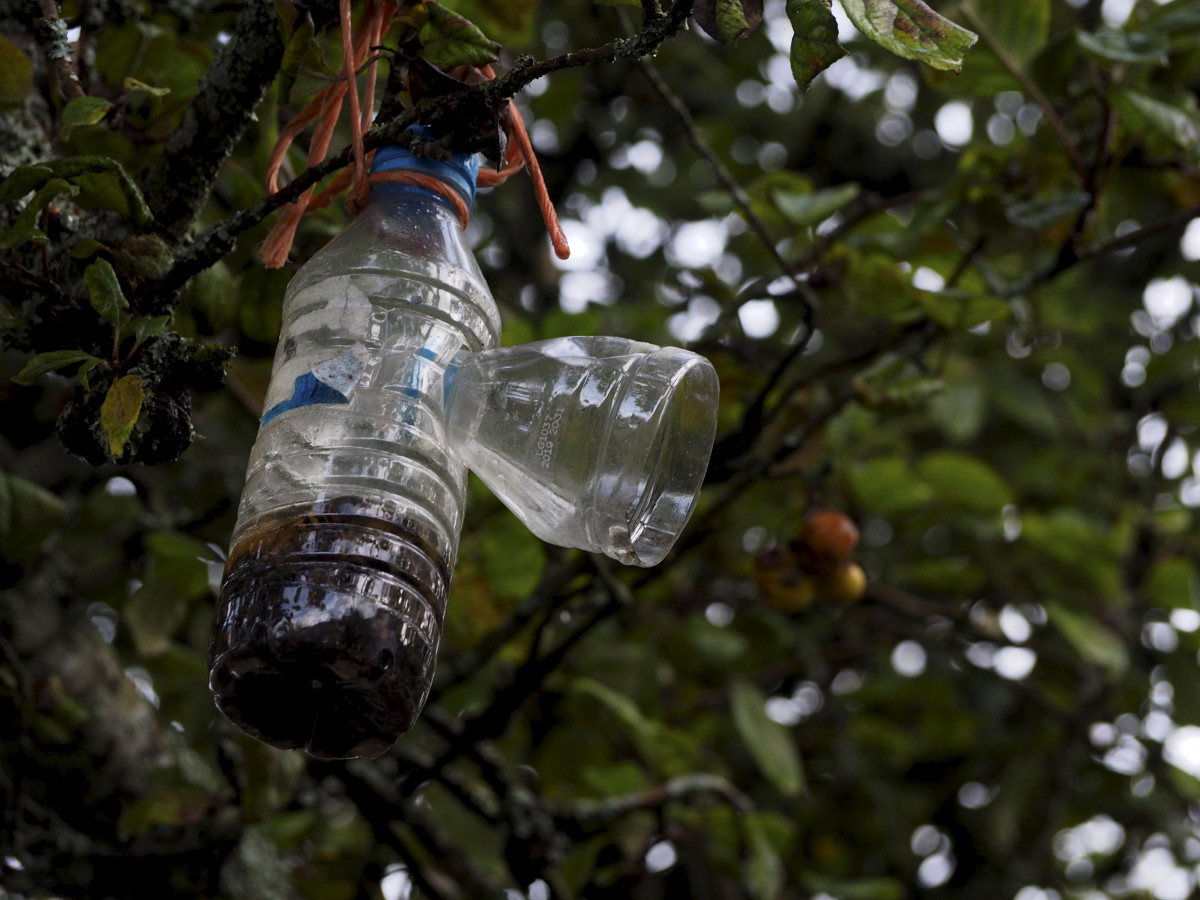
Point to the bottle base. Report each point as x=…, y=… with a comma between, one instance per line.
x=327, y=630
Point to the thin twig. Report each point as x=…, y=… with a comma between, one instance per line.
x=1030, y=87
x=220, y=240
x=51, y=34
x=587, y=813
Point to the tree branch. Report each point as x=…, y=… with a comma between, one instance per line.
x=1052, y=116
x=51, y=34
x=219, y=241
x=224, y=106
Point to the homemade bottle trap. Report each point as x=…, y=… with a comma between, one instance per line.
x=386, y=386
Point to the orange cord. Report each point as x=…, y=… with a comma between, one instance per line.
x=325, y=107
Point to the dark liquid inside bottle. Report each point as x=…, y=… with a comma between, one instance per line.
x=327, y=629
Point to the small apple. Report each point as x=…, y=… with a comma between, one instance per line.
x=781, y=583
x=826, y=540
x=844, y=585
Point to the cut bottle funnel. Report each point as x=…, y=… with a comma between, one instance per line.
x=598, y=443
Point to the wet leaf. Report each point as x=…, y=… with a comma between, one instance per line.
x=815, y=44
x=803, y=210
x=23, y=180
x=449, y=39
x=1180, y=127
x=82, y=111
x=174, y=575
x=965, y=481
x=512, y=561
x=49, y=362
x=958, y=310
x=1094, y=641
x=301, y=44
x=1174, y=584
x=28, y=513
x=120, y=410
x=727, y=21
x=888, y=485
x=912, y=30
x=1117, y=46
x=105, y=291
x=24, y=228
x=135, y=87
x=764, y=869
x=1020, y=29
x=1042, y=212
x=769, y=743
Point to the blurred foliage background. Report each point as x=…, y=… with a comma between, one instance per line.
x=957, y=308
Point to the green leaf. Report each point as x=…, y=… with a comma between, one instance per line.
x=815, y=44
x=296, y=53
x=120, y=410
x=28, y=513
x=1092, y=640
x=289, y=15
x=21, y=234
x=23, y=180
x=175, y=574
x=716, y=646
x=135, y=87
x=622, y=704
x=86, y=248
x=16, y=74
x=887, y=485
x=86, y=369
x=105, y=291
x=23, y=228
x=1184, y=676
x=912, y=30
x=1117, y=46
x=1173, y=584
x=105, y=182
x=769, y=743
x=958, y=310
x=1043, y=212
x=803, y=210
x=449, y=39
x=1140, y=112
x=965, y=481
x=48, y=362
x=727, y=21
x=82, y=111
x=1019, y=28
x=764, y=869
x=142, y=327
x=855, y=888
x=172, y=807
x=513, y=560
x=732, y=20
x=10, y=317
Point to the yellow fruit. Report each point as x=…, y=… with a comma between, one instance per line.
x=846, y=584
x=781, y=583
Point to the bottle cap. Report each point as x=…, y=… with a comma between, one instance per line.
x=460, y=171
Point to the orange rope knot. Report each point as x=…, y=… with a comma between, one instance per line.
x=325, y=108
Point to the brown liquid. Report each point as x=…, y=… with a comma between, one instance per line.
x=327, y=629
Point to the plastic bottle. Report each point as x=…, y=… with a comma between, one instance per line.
x=598, y=443
x=335, y=590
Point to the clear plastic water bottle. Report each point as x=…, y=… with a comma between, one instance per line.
x=335, y=590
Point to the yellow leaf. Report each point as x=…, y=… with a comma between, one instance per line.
x=120, y=410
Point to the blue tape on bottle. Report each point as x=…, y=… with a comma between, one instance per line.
x=330, y=381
